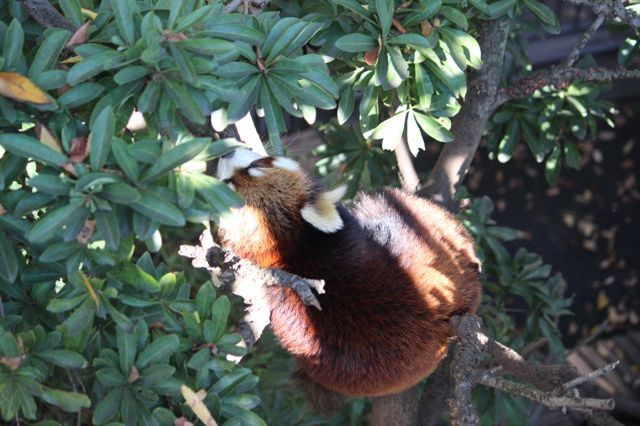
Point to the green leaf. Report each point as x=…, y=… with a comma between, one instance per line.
x=195, y=18
x=464, y=48
x=149, y=98
x=50, y=48
x=155, y=374
x=424, y=12
x=49, y=184
x=536, y=146
x=28, y=147
x=123, y=12
x=273, y=118
x=81, y=319
x=204, y=299
x=414, y=136
x=63, y=358
x=157, y=350
x=71, y=9
x=63, y=305
x=286, y=39
x=424, y=87
x=175, y=157
x=158, y=209
x=59, y=251
x=120, y=193
x=355, y=43
x=500, y=8
x=433, y=128
x=289, y=67
x=181, y=59
x=109, y=407
x=13, y=42
x=101, y=136
x=93, y=65
x=110, y=377
x=347, y=102
x=542, y=11
x=628, y=51
x=218, y=195
x=184, y=101
x=572, y=156
x=45, y=228
x=455, y=16
x=8, y=260
x=413, y=40
x=130, y=74
x=236, y=32
x=127, y=346
x=384, y=10
x=509, y=141
x=247, y=99
x=553, y=165
x=107, y=223
x=80, y=95
x=355, y=7
x=134, y=276
x=127, y=163
x=390, y=131
x=68, y=401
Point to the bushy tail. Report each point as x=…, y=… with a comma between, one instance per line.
x=322, y=400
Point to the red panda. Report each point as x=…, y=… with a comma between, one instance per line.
x=396, y=269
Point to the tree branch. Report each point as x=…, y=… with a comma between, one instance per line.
x=248, y=281
x=408, y=175
x=612, y=9
x=582, y=42
x=472, y=343
x=47, y=15
x=561, y=78
x=469, y=124
x=253, y=7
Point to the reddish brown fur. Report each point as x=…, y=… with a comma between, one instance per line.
x=397, y=271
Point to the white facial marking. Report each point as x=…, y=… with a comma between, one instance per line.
x=286, y=163
x=240, y=159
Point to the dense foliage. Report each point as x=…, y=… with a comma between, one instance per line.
x=95, y=328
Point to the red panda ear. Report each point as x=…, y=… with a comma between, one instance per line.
x=323, y=213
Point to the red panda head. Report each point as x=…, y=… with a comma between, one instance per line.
x=279, y=198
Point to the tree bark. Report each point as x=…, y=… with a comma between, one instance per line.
x=468, y=125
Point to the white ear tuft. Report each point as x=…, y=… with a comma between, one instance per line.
x=323, y=213
x=336, y=194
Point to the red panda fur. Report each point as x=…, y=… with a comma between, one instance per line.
x=395, y=273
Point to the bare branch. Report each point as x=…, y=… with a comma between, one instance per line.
x=47, y=15
x=253, y=7
x=248, y=281
x=612, y=9
x=545, y=398
x=593, y=375
x=582, y=42
x=408, y=175
x=561, y=78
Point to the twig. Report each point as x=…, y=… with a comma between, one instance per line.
x=573, y=56
x=614, y=9
x=546, y=398
x=47, y=15
x=593, y=375
x=563, y=77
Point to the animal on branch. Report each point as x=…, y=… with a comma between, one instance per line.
x=396, y=269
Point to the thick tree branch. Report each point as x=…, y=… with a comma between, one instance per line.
x=469, y=124
x=47, y=15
